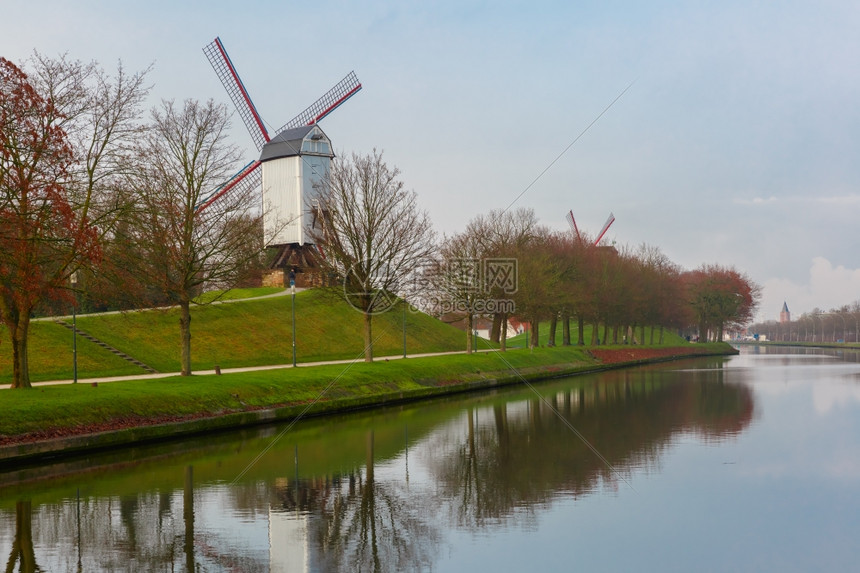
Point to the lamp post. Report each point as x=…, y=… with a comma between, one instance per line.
x=73, y=279
x=293, y=294
x=404, y=328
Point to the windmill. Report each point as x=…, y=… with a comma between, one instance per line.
x=291, y=166
x=572, y=222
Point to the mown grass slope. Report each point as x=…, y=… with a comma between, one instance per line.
x=253, y=332
x=51, y=356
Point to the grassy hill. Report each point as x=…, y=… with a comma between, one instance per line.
x=244, y=333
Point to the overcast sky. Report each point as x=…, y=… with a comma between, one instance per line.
x=738, y=142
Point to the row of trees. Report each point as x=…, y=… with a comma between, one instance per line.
x=563, y=278
x=834, y=325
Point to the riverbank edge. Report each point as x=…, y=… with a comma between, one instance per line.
x=57, y=448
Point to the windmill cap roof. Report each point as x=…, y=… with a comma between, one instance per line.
x=289, y=142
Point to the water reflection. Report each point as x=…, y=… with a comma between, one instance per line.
x=340, y=494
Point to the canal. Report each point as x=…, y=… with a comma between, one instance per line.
x=741, y=463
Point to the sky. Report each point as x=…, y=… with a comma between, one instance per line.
x=736, y=142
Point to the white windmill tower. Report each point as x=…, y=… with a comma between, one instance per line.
x=294, y=164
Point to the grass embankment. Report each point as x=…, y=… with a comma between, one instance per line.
x=126, y=407
x=259, y=332
x=246, y=333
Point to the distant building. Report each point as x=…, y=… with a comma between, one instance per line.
x=784, y=315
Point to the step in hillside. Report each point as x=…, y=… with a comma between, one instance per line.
x=108, y=347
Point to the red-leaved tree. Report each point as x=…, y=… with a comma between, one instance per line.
x=43, y=237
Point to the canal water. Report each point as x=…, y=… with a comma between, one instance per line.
x=742, y=463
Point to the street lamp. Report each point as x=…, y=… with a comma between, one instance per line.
x=293, y=294
x=404, y=328
x=73, y=279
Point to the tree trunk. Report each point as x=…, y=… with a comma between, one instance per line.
x=496, y=330
x=553, y=326
x=503, y=334
x=581, y=325
x=595, y=334
x=535, y=334
x=661, y=335
x=651, y=339
x=642, y=337
x=185, y=335
x=19, y=336
x=470, y=326
x=368, y=337
x=565, y=331
x=606, y=332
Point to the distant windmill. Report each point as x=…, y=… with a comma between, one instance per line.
x=294, y=162
x=575, y=229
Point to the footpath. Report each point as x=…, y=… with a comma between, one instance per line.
x=131, y=377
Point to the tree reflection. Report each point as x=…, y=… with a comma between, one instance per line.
x=359, y=523
x=515, y=455
x=22, y=552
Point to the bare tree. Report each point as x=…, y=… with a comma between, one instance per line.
x=181, y=249
x=63, y=136
x=457, y=281
x=374, y=235
x=502, y=233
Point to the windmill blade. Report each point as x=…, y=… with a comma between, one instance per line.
x=236, y=90
x=573, y=226
x=342, y=91
x=244, y=181
x=605, y=228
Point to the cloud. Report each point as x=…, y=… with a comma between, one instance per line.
x=756, y=201
x=828, y=287
x=837, y=200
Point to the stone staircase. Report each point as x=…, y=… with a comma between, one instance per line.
x=108, y=347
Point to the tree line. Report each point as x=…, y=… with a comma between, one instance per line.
x=836, y=325
x=99, y=205
x=562, y=278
